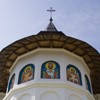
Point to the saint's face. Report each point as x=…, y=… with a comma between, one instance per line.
x=50, y=66
x=72, y=71
x=27, y=70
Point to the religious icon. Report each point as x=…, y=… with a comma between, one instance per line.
x=50, y=70
x=72, y=75
x=27, y=74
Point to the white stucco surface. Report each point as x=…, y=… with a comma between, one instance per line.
x=49, y=89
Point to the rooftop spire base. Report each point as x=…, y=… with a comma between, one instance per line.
x=51, y=19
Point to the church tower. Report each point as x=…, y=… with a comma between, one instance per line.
x=49, y=66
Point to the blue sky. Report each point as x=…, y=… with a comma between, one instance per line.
x=76, y=18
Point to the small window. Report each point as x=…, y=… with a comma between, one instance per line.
x=11, y=82
x=88, y=86
x=26, y=74
x=50, y=70
x=73, y=74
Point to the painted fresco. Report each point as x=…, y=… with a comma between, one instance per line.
x=73, y=74
x=11, y=83
x=27, y=73
x=50, y=70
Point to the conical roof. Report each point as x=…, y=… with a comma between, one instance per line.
x=51, y=26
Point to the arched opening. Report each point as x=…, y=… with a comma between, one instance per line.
x=50, y=70
x=73, y=74
x=11, y=82
x=88, y=86
x=26, y=73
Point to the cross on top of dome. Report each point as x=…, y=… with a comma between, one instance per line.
x=51, y=10
x=51, y=26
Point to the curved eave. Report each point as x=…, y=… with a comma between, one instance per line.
x=46, y=39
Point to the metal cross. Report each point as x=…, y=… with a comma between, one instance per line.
x=51, y=10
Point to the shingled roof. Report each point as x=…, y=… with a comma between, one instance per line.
x=50, y=39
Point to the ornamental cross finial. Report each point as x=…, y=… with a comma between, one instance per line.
x=51, y=10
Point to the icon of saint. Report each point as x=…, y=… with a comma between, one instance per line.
x=50, y=72
x=73, y=76
x=27, y=74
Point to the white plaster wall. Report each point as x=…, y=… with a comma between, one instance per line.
x=38, y=57
x=48, y=92
x=25, y=97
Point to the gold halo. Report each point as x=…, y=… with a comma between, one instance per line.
x=27, y=68
x=54, y=65
x=72, y=69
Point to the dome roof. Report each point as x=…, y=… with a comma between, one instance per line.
x=50, y=39
x=51, y=26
